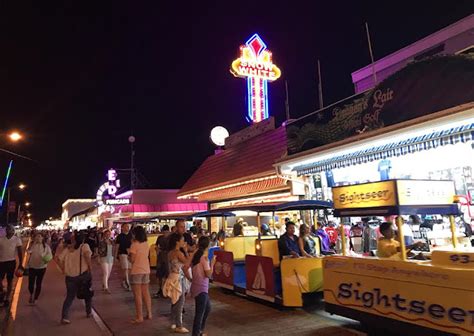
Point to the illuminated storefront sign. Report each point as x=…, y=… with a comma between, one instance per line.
x=105, y=196
x=367, y=195
x=118, y=201
x=255, y=64
x=394, y=192
x=425, y=192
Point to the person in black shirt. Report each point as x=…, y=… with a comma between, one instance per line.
x=288, y=242
x=122, y=244
x=92, y=241
x=162, y=269
x=238, y=229
x=181, y=229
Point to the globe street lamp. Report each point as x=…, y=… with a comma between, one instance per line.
x=15, y=136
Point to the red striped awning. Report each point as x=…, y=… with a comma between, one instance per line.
x=246, y=189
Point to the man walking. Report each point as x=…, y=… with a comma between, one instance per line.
x=10, y=247
x=122, y=244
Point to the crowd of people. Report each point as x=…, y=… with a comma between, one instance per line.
x=183, y=267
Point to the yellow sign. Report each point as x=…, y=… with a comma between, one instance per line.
x=459, y=258
x=422, y=294
x=416, y=192
x=386, y=193
x=367, y=195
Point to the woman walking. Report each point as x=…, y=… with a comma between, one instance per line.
x=174, y=287
x=202, y=272
x=75, y=262
x=106, y=259
x=140, y=273
x=40, y=254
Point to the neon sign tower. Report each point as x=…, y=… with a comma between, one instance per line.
x=255, y=64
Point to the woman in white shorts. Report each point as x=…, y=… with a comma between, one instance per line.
x=140, y=273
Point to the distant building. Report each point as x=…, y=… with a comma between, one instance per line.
x=457, y=38
x=74, y=206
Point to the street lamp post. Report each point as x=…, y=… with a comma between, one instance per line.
x=22, y=187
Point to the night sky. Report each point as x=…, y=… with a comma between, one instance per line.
x=79, y=78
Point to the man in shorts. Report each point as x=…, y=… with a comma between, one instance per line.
x=10, y=247
x=122, y=244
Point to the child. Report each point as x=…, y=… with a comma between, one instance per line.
x=202, y=272
x=387, y=246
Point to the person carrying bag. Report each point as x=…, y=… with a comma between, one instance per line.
x=84, y=290
x=39, y=255
x=75, y=262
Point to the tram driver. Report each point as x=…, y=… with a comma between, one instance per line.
x=388, y=246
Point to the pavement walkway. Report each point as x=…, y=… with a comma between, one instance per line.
x=230, y=315
x=44, y=317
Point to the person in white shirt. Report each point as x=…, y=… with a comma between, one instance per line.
x=10, y=247
x=39, y=256
x=75, y=262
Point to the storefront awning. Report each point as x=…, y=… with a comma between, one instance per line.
x=165, y=208
x=270, y=184
x=428, y=141
x=227, y=170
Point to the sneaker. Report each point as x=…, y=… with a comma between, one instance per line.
x=173, y=327
x=124, y=285
x=181, y=330
x=65, y=321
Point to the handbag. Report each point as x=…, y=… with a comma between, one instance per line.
x=84, y=290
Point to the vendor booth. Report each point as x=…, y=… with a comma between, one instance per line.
x=416, y=124
x=413, y=297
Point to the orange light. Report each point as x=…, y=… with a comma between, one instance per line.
x=15, y=136
x=22, y=186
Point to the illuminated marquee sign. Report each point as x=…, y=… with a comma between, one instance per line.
x=365, y=195
x=425, y=192
x=105, y=196
x=394, y=192
x=255, y=64
x=118, y=201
